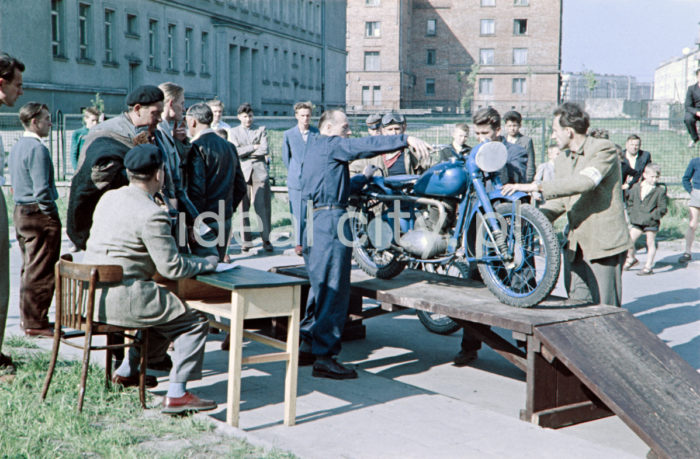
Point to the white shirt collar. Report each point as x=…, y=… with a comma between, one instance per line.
x=32, y=134
x=201, y=133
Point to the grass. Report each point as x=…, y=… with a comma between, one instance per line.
x=112, y=423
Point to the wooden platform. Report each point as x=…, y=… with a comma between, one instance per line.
x=582, y=362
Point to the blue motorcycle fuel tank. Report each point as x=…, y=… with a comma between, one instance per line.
x=444, y=179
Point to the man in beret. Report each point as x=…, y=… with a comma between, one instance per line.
x=103, y=157
x=131, y=230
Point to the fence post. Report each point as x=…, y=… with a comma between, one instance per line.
x=60, y=145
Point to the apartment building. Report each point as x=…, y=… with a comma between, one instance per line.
x=427, y=54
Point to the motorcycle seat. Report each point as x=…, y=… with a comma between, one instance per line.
x=397, y=182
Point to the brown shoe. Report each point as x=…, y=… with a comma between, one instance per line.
x=39, y=332
x=133, y=381
x=188, y=402
x=226, y=343
x=298, y=250
x=267, y=246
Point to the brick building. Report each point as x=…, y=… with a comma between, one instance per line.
x=271, y=53
x=418, y=54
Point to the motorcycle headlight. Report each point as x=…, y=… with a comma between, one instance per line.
x=491, y=156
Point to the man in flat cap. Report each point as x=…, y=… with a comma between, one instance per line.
x=101, y=164
x=131, y=230
x=374, y=124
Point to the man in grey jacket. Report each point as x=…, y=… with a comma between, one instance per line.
x=587, y=187
x=131, y=230
x=37, y=224
x=251, y=143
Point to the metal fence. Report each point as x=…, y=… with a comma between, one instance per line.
x=665, y=138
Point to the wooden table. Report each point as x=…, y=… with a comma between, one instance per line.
x=245, y=293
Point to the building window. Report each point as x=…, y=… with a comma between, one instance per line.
x=488, y=2
x=372, y=2
x=205, y=53
x=373, y=29
x=521, y=2
x=488, y=26
x=430, y=57
x=519, y=86
x=519, y=56
x=109, y=35
x=153, y=43
x=431, y=27
x=57, y=41
x=430, y=86
x=171, y=47
x=486, y=56
x=84, y=31
x=188, y=50
x=486, y=86
x=371, y=95
x=519, y=26
x=132, y=26
x=371, y=60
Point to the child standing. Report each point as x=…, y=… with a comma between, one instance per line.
x=545, y=171
x=646, y=204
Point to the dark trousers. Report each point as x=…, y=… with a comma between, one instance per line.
x=691, y=124
x=39, y=239
x=595, y=281
x=260, y=197
x=328, y=264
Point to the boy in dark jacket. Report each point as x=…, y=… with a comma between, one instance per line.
x=646, y=204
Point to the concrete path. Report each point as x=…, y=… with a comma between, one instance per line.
x=410, y=401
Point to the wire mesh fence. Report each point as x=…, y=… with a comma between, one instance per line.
x=664, y=138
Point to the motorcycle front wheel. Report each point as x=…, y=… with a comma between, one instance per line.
x=532, y=273
x=383, y=264
x=440, y=323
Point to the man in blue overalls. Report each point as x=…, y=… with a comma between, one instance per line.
x=325, y=189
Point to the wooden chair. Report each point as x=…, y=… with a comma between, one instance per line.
x=75, y=304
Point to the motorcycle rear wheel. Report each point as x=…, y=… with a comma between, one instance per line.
x=383, y=264
x=537, y=259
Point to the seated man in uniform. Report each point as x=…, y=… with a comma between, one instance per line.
x=131, y=230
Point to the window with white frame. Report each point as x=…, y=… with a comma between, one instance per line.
x=519, y=26
x=205, y=53
x=171, y=46
x=188, y=49
x=488, y=27
x=486, y=86
x=84, y=26
x=521, y=2
x=153, y=43
x=109, y=35
x=431, y=27
x=57, y=31
x=519, y=56
x=430, y=86
x=373, y=29
x=371, y=95
x=487, y=56
x=371, y=61
x=488, y=2
x=519, y=86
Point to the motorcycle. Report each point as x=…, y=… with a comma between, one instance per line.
x=451, y=219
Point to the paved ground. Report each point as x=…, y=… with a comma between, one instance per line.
x=410, y=401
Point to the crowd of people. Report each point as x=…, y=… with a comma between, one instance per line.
x=156, y=187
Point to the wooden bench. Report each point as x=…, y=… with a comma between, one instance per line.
x=245, y=293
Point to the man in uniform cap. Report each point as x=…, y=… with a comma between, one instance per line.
x=131, y=230
x=103, y=154
x=374, y=124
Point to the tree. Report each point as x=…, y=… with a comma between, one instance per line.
x=468, y=79
x=591, y=81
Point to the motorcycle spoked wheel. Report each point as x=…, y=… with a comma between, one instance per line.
x=440, y=323
x=382, y=264
x=537, y=259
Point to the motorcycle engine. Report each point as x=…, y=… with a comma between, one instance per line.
x=423, y=244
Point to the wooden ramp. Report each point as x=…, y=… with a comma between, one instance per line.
x=636, y=375
x=582, y=362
